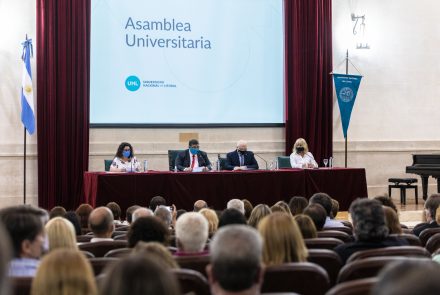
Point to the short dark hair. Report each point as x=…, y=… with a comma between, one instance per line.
x=157, y=201
x=57, y=211
x=324, y=200
x=386, y=201
x=116, y=210
x=74, y=219
x=129, y=212
x=317, y=213
x=335, y=208
x=83, y=212
x=180, y=212
x=121, y=149
x=297, y=204
x=368, y=220
x=147, y=229
x=432, y=204
x=193, y=142
x=231, y=216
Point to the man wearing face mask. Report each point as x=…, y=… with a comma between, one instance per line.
x=241, y=158
x=193, y=159
x=301, y=157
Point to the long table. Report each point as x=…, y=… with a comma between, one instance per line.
x=217, y=187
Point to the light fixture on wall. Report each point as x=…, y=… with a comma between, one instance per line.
x=359, y=31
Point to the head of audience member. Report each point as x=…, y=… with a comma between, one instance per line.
x=386, y=201
x=74, y=219
x=191, y=232
x=61, y=234
x=116, y=210
x=318, y=215
x=277, y=208
x=83, y=212
x=157, y=201
x=147, y=229
x=236, y=204
x=258, y=213
x=300, y=146
x=392, y=221
x=57, y=211
x=139, y=275
x=212, y=219
x=5, y=257
x=156, y=250
x=124, y=146
x=101, y=223
x=335, y=208
x=409, y=277
x=129, y=213
x=231, y=216
x=437, y=215
x=164, y=213
x=180, y=212
x=283, y=242
x=236, y=261
x=285, y=206
x=199, y=205
x=64, y=271
x=297, y=204
x=368, y=220
x=324, y=200
x=141, y=212
x=306, y=226
x=248, y=207
x=25, y=229
x=431, y=205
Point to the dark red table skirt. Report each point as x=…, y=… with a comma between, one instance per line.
x=259, y=186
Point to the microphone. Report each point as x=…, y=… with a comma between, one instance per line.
x=261, y=158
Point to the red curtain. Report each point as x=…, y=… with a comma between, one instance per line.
x=63, y=62
x=308, y=85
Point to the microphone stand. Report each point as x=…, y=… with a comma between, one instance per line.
x=265, y=162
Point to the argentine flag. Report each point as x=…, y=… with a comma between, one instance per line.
x=27, y=93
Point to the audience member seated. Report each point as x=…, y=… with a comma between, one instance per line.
x=199, y=205
x=297, y=204
x=26, y=231
x=285, y=206
x=236, y=204
x=141, y=212
x=62, y=272
x=386, y=201
x=147, y=229
x=57, y=211
x=179, y=213
x=157, y=201
x=74, y=220
x=191, y=234
x=101, y=224
x=248, y=207
x=318, y=215
x=369, y=229
x=5, y=257
x=212, y=219
x=156, y=250
x=129, y=213
x=83, y=212
x=392, y=221
x=431, y=206
x=409, y=278
x=335, y=209
x=61, y=234
x=116, y=210
x=258, y=213
x=306, y=226
x=164, y=213
x=325, y=201
x=278, y=209
x=282, y=240
x=231, y=216
x=236, y=261
x=139, y=275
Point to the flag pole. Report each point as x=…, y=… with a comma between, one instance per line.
x=24, y=168
x=346, y=72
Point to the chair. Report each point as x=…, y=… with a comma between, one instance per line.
x=300, y=277
x=335, y=234
x=191, y=281
x=433, y=243
x=100, y=263
x=121, y=238
x=21, y=285
x=322, y=243
x=107, y=164
x=118, y=233
x=403, y=184
x=283, y=162
x=87, y=254
x=412, y=240
x=84, y=238
x=347, y=230
x=347, y=223
x=172, y=155
x=328, y=260
x=355, y=287
x=222, y=163
x=100, y=248
x=427, y=233
x=406, y=251
x=196, y=262
x=118, y=253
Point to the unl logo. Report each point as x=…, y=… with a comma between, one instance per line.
x=132, y=83
x=346, y=94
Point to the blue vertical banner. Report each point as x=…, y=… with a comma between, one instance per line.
x=27, y=93
x=346, y=91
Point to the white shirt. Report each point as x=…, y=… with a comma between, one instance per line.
x=196, y=160
x=296, y=161
x=131, y=166
x=332, y=223
x=94, y=240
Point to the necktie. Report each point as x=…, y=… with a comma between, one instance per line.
x=241, y=160
x=193, y=161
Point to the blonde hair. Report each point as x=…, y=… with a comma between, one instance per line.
x=283, y=241
x=283, y=205
x=392, y=220
x=158, y=251
x=306, y=226
x=212, y=218
x=64, y=272
x=301, y=142
x=258, y=213
x=61, y=234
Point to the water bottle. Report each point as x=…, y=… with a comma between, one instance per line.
x=218, y=165
x=330, y=162
x=175, y=168
x=276, y=164
x=145, y=165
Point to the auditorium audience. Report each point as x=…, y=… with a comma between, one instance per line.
x=318, y=215
x=297, y=204
x=83, y=212
x=212, y=219
x=236, y=204
x=64, y=272
x=325, y=201
x=259, y=212
x=306, y=226
x=57, y=211
x=101, y=224
x=124, y=160
x=141, y=212
x=116, y=210
x=199, y=205
x=191, y=234
x=236, y=261
x=335, y=209
x=157, y=201
x=158, y=251
x=231, y=216
x=431, y=206
x=147, y=229
x=248, y=207
x=386, y=201
x=282, y=239
x=369, y=229
x=61, y=234
x=74, y=219
x=164, y=213
x=129, y=213
x=5, y=257
x=392, y=221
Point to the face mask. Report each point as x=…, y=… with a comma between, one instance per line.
x=194, y=151
x=241, y=152
x=126, y=154
x=300, y=149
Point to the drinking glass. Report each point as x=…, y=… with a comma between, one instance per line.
x=325, y=162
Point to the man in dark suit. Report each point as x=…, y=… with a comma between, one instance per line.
x=241, y=158
x=193, y=158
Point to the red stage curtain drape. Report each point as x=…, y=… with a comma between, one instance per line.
x=63, y=62
x=308, y=85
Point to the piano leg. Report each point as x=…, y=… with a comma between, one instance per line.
x=425, y=186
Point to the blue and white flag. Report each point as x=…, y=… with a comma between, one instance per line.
x=27, y=93
x=346, y=91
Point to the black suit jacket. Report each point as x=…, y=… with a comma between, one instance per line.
x=232, y=160
x=183, y=160
x=422, y=226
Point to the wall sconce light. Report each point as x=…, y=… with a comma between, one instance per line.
x=359, y=31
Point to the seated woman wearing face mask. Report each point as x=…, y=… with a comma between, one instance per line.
x=301, y=157
x=124, y=160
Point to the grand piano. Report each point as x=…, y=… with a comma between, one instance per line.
x=425, y=166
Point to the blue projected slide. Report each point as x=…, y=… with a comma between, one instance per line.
x=187, y=62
